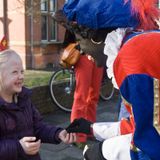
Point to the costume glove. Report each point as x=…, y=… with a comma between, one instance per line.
x=80, y=126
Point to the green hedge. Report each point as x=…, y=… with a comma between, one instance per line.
x=34, y=78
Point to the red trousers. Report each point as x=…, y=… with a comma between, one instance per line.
x=86, y=96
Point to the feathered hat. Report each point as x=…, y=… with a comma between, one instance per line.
x=112, y=13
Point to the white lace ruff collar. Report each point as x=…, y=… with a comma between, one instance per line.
x=113, y=42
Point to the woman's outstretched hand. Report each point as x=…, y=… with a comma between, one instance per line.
x=80, y=126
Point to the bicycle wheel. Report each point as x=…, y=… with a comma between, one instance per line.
x=107, y=89
x=62, y=86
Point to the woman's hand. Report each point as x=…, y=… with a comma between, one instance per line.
x=30, y=145
x=67, y=137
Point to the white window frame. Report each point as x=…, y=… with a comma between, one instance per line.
x=49, y=13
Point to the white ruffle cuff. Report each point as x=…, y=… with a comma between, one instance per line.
x=113, y=43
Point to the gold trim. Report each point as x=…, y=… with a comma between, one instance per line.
x=156, y=114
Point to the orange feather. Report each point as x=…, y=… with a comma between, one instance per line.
x=147, y=12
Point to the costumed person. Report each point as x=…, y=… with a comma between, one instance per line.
x=88, y=75
x=22, y=129
x=133, y=64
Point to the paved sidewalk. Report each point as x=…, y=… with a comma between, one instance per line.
x=106, y=111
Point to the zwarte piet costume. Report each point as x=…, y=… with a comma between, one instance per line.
x=133, y=52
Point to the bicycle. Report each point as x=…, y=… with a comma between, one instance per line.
x=107, y=88
x=62, y=86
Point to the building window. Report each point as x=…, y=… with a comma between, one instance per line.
x=48, y=25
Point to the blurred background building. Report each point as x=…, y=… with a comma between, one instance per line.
x=30, y=30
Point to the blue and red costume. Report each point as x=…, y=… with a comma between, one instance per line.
x=138, y=81
x=136, y=68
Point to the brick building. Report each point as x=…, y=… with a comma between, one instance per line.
x=31, y=30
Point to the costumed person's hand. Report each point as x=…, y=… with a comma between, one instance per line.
x=30, y=145
x=66, y=137
x=80, y=126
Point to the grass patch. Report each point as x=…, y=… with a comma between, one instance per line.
x=35, y=78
